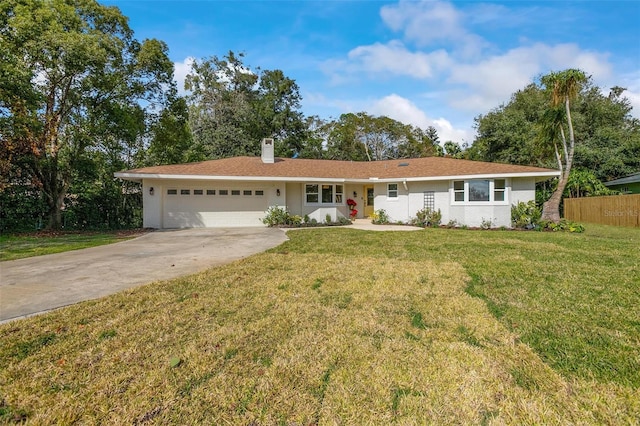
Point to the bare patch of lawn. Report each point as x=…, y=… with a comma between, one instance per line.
x=336, y=326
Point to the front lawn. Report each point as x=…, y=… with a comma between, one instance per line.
x=340, y=326
x=19, y=246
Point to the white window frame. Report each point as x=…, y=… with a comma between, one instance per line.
x=492, y=192
x=392, y=194
x=337, y=198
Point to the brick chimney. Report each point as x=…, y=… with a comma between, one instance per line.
x=267, y=151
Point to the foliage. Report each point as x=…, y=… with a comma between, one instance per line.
x=22, y=208
x=525, y=215
x=232, y=107
x=171, y=137
x=609, y=136
x=427, y=217
x=277, y=216
x=453, y=150
x=78, y=80
x=379, y=217
x=563, y=225
x=584, y=183
x=362, y=137
x=486, y=223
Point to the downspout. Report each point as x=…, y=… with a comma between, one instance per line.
x=406, y=188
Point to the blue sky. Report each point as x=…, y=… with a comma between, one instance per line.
x=436, y=63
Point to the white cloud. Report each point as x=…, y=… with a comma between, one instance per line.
x=407, y=112
x=428, y=22
x=180, y=71
x=395, y=58
x=631, y=82
x=483, y=85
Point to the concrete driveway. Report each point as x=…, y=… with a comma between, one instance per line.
x=38, y=284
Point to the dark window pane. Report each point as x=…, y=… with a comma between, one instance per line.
x=478, y=190
x=327, y=194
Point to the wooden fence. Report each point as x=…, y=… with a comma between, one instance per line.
x=620, y=210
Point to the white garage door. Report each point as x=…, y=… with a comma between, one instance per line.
x=197, y=207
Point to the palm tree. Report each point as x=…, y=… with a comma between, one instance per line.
x=563, y=87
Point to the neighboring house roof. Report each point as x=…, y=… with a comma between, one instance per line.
x=634, y=178
x=252, y=168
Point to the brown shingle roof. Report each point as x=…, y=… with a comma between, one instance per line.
x=427, y=167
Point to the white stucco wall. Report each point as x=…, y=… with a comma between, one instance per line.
x=152, y=204
x=297, y=206
x=162, y=210
x=411, y=200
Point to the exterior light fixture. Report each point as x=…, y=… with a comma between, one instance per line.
x=278, y=192
x=355, y=194
x=151, y=190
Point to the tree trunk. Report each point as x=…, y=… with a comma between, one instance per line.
x=551, y=207
x=54, y=204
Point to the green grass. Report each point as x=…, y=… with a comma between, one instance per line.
x=340, y=326
x=19, y=246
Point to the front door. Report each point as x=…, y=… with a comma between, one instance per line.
x=368, y=201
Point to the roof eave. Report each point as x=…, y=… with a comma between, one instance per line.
x=139, y=176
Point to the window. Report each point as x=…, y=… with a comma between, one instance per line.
x=498, y=189
x=235, y=192
x=392, y=190
x=247, y=192
x=338, y=194
x=185, y=191
x=311, y=193
x=259, y=192
x=198, y=192
x=324, y=193
x=480, y=191
x=224, y=192
x=172, y=192
x=327, y=194
x=458, y=190
x=211, y=192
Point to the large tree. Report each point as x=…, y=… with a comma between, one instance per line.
x=562, y=87
x=363, y=137
x=609, y=137
x=72, y=82
x=232, y=107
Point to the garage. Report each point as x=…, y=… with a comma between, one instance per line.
x=213, y=205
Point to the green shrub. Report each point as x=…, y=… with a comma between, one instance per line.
x=525, y=215
x=564, y=225
x=277, y=216
x=344, y=221
x=486, y=224
x=379, y=217
x=427, y=217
